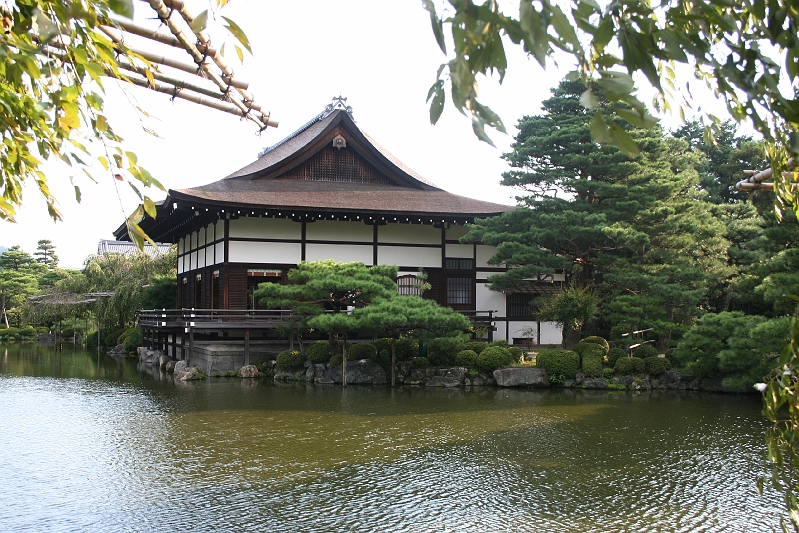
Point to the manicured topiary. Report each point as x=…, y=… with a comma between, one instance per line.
x=607, y=373
x=42, y=329
x=598, y=340
x=517, y=354
x=501, y=343
x=655, y=366
x=362, y=350
x=111, y=338
x=318, y=352
x=384, y=360
x=626, y=366
x=492, y=358
x=467, y=358
x=561, y=362
x=133, y=340
x=647, y=350
x=614, y=354
x=28, y=331
x=336, y=360
x=475, y=346
x=589, y=349
x=382, y=344
x=442, y=351
x=9, y=333
x=592, y=365
x=420, y=362
x=290, y=360
x=406, y=349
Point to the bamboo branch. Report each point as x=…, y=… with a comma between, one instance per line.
x=172, y=81
x=755, y=179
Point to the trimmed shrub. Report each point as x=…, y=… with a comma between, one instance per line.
x=407, y=349
x=592, y=365
x=42, y=329
x=133, y=340
x=420, y=362
x=111, y=338
x=607, y=373
x=501, y=343
x=647, y=350
x=614, y=354
x=597, y=340
x=655, y=366
x=336, y=360
x=362, y=350
x=384, y=360
x=290, y=360
x=517, y=354
x=11, y=333
x=475, y=346
x=442, y=351
x=382, y=344
x=589, y=349
x=467, y=358
x=494, y=357
x=627, y=366
x=561, y=362
x=28, y=331
x=318, y=352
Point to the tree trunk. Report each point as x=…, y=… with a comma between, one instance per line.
x=393, y=362
x=570, y=337
x=3, y=309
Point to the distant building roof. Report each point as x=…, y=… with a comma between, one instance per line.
x=128, y=248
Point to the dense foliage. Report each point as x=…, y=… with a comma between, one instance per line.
x=564, y=363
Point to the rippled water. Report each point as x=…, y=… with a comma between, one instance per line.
x=92, y=444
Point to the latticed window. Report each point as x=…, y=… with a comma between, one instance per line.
x=519, y=305
x=332, y=164
x=408, y=285
x=460, y=291
x=458, y=263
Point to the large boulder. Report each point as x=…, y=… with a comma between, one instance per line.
x=521, y=377
x=249, y=371
x=170, y=367
x=362, y=372
x=447, y=377
x=189, y=373
x=119, y=349
x=595, y=383
x=180, y=366
x=163, y=360
x=291, y=375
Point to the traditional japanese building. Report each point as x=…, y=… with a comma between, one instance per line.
x=329, y=191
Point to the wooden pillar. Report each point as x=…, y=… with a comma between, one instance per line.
x=246, y=347
x=174, y=345
x=191, y=348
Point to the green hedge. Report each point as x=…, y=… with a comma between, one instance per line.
x=647, y=350
x=133, y=340
x=420, y=362
x=517, y=354
x=626, y=366
x=467, y=358
x=614, y=354
x=318, y=352
x=442, y=351
x=597, y=340
x=475, y=346
x=407, y=349
x=28, y=331
x=655, y=366
x=111, y=338
x=592, y=365
x=607, y=373
x=559, y=362
x=9, y=332
x=589, y=349
x=500, y=343
x=492, y=358
x=336, y=360
x=384, y=360
x=290, y=360
x=382, y=344
x=362, y=350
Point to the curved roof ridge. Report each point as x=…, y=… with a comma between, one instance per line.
x=299, y=130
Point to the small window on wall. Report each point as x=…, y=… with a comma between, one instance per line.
x=460, y=291
x=519, y=305
x=256, y=276
x=458, y=263
x=408, y=285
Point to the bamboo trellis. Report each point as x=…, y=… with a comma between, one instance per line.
x=224, y=92
x=756, y=180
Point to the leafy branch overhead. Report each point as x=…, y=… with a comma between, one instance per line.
x=743, y=51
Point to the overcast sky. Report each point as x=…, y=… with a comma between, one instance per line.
x=380, y=54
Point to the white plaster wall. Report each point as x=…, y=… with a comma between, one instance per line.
x=264, y=252
x=484, y=253
x=460, y=250
x=220, y=252
x=456, y=232
x=265, y=228
x=201, y=237
x=488, y=300
x=515, y=328
x=339, y=230
x=181, y=270
x=339, y=252
x=550, y=333
x=499, y=334
x=193, y=241
x=180, y=246
x=201, y=258
x=408, y=233
x=192, y=260
x=409, y=256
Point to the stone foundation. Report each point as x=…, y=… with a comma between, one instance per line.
x=219, y=357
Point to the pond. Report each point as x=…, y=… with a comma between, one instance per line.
x=90, y=443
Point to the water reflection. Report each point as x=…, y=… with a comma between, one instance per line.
x=97, y=444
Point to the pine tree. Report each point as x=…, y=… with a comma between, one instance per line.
x=45, y=254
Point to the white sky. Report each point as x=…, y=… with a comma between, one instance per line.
x=380, y=54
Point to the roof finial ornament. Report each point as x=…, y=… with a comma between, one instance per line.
x=339, y=102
